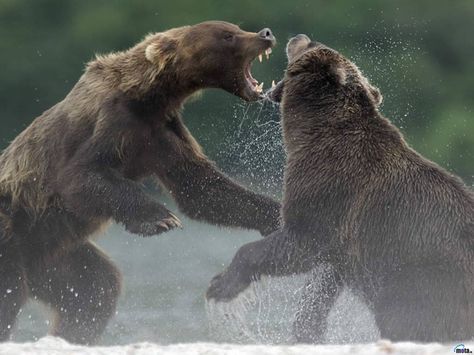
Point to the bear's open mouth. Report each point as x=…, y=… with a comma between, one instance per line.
x=252, y=83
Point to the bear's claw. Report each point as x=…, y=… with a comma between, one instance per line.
x=159, y=225
x=226, y=286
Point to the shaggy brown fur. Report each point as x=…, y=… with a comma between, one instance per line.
x=78, y=166
x=395, y=227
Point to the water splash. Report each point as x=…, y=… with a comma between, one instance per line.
x=262, y=314
x=394, y=66
x=265, y=312
x=255, y=149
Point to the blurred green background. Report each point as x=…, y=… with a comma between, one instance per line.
x=419, y=53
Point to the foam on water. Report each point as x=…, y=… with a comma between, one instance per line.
x=53, y=346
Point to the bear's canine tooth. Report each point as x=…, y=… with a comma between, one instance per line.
x=273, y=84
x=259, y=88
x=260, y=57
x=268, y=52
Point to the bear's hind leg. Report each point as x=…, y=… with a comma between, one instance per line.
x=13, y=290
x=82, y=288
x=428, y=304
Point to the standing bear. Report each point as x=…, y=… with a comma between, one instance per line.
x=78, y=166
x=396, y=228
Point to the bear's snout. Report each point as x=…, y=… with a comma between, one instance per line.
x=267, y=34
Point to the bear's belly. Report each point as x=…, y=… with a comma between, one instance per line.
x=53, y=234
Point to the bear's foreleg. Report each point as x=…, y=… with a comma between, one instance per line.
x=104, y=192
x=276, y=255
x=204, y=193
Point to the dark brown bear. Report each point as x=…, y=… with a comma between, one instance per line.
x=396, y=228
x=78, y=166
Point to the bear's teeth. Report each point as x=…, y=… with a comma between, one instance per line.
x=260, y=57
x=268, y=52
x=259, y=88
x=273, y=84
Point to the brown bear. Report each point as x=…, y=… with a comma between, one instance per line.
x=79, y=165
x=395, y=228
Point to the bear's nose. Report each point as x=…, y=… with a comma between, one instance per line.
x=266, y=33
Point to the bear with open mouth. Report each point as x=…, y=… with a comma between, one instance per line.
x=78, y=166
x=395, y=228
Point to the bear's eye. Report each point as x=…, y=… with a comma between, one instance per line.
x=228, y=36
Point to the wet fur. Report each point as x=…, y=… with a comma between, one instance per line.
x=396, y=228
x=79, y=165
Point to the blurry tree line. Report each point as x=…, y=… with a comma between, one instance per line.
x=419, y=53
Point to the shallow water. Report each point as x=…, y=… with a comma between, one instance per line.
x=165, y=279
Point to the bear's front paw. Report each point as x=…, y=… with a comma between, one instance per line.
x=226, y=286
x=159, y=224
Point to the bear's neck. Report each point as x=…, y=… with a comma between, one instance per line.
x=152, y=90
x=162, y=99
x=318, y=127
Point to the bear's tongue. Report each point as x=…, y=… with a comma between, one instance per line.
x=251, y=81
x=248, y=75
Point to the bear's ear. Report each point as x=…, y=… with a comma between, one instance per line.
x=161, y=50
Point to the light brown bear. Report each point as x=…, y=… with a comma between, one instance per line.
x=78, y=166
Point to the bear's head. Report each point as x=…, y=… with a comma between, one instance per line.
x=322, y=75
x=211, y=54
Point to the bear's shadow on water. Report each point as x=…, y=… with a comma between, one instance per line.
x=265, y=312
